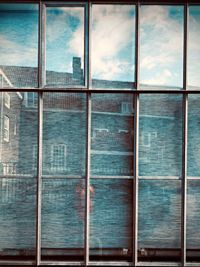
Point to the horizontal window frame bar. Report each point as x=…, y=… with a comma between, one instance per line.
x=61, y=263
x=143, y=2
x=96, y=263
x=159, y=263
x=100, y=91
x=56, y=177
x=163, y=3
x=65, y=4
x=36, y=2
x=18, y=263
x=193, y=178
x=160, y=178
x=68, y=177
x=123, y=177
x=15, y=176
x=110, y=2
x=192, y=264
x=110, y=263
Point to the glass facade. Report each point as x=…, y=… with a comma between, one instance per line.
x=99, y=144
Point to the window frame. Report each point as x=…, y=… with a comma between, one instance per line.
x=137, y=92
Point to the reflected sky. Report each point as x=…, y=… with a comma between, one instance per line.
x=161, y=45
x=64, y=37
x=193, y=46
x=113, y=41
x=18, y=35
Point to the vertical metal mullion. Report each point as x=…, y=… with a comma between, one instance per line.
x=136, y=137
x=39, y=179
x=88, y=141
x=41, y=80
x=87, y=182
x=89, y=44
x=184, y=143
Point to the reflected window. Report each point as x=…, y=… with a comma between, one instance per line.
x=6, y=133
x=127, y=107
x=7, y=100
x=59, y=153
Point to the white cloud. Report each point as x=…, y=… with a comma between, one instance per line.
x=13, y=53
x=194, y=51
x=76, y=43
x=161, y=46
x=113, y=31
x=161, y=78
x=58, y=23
x=68, y=39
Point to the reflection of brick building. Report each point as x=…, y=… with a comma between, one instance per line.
x=64, y=143
x=10, y=112
x=64, y=152
x=65, y=124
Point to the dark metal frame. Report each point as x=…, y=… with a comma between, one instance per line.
x=88, y=90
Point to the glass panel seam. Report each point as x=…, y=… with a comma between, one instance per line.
x=87, y=182
x=184, y=143
x=136, y=136
x=41, y=80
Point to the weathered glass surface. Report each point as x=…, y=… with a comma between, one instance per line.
x=112, y=134
x=17, y=217
x=63, y=214
x=159, y=216
x=160, y=130
x=113, y=45
x=64, y=46
x=193, y=47
x=161, y=29
x=18, y=133
x=193, y=135
x=193, y=219
x=111, y=213
x=18, y=45
x=64, y=134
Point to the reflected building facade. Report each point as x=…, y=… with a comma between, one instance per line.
x=64, y=154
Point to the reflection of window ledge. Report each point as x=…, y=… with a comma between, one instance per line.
x=112, y=113
x=111, y=152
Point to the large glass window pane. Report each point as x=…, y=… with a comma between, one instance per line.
x=18, y=45
x=17, y=218
x=161, y=46
x=64, y=134
x=63, y=215
x=18, y=133
x=111, y=211
x=193, y=47
x=113, y=45
x=160, y=130
x=65, y=46
x=112, y=135
x=159, y=231
x=193, y=220
x=193, y=136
